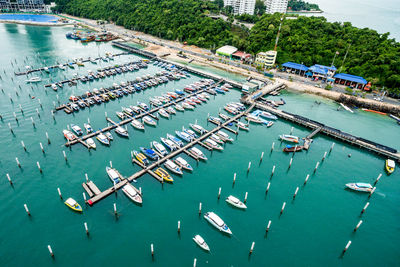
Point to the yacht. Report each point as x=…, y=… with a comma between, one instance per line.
x=201, y=243
x=114, y=176
x=217, y=222
x=234, y=201
x=103, y=139
x=183, y=164
x=133, y=193
x=160, y=148
x=169, y=164
x=122, y=131
x=137, y=124
x=76, y=129
x=90, y=142
x=198, y=153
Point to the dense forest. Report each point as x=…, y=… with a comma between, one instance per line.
x=306, y=40
x=298, y=5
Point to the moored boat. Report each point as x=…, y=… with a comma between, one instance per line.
x=199, y=129
x=69, y=135
x=76, y=129
x=242, y=126
x=121, y=131
x=90, y=142
x=198, y=153
x=289, y=138
x=390, y=166
x=183, y=164
x=141, y=157
x=103, y=139
x=253, y=118
x=88, y=127
x=163, y=113
x=185, y=136
x=148, y=120
x=224, y=136
x=109, y=136
x=200, y=242
x=176, y=140
x=234, y=201
x=212, y=144
x=170, y=165
x=170, y=144
x=164, y=175
x=179, y=107
x=217, y=222
x=137, y=124
x=149, y=153
x=113, y=175
x=361, y=187
x=133, y=193
x=72, y=204
x=160, y=148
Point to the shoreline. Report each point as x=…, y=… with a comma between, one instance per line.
x=35, y=23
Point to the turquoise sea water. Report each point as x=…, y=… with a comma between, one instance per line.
x=312, y=231
x=29, y=17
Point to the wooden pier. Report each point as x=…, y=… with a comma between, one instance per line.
x=65, y=65
x=148, y=169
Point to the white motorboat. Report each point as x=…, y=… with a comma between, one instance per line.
x=216, y=138
x=109, y=136
x=33, y=80
x=242, y=126
x=121, y=131
x=361, y=187
x=179, y=107
x=120, y=115
x=148, y=120
x=61, y=67
x=170, y=110
x=163, y=113
x=234, y=201
x=103, y=139
x=137, y=124
x=88, y=128
x=170, y=165
x=187, y=106
x=133, y=193
x=90, y=142
x=224, y=116
x=253, y=118
x=267, y=115
x=197, y=128
x=212, y=144
x=114, y=176
x=198, y=153
x=143, y=106
x=289, y=138
x=183, y=164
x=217, y=222
x=76, y=129
x=54, y=87
x=69, y=135
x=201, y=243
x=224, y=136
x=155, y=102
x=170, y=144
x=159, y=147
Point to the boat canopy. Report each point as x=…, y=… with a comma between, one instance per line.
x=113, y=174
x=129, y=189
x=216, y=219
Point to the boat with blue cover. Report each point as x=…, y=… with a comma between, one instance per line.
x=149, y=153
x=176, y=140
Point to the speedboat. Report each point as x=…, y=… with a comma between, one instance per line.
x=179, y=107
x=88, y=128
x=170, y=110
x=198, y=153
x=69, y=135
x=135, y=109
x=176, y=140
x=103, y=139
x=109, y=136
x=216, y=138
x=90, y=142
x=267, y=115
x=197, y=128
x=72, y=204
x=143, y=106
x=362, y=187
x=164, y=175
x=127, y=111
x=190, y=132
x=76, y=129
x=61, y=67
x=114, y=176
x=155, y=102
x=185, y=136
x=141, y=157
x=148, y=120
x=163, y=113
x=224, y=136
x=390, y=165
x=242, y=126
x=183, y=164
x=120, y=115
x=137, y=124
x=149, y=153
x=215, y=120
x=231, y=110
x=160, y=148
x=217, y=222
x=200, y=242
x=133, y=193
x=224, y=116
x=234, y=201
x=289, y=138
x=33, y=80
x=169, y=164
x=121, y=131
x=212, y=144
x=253, y=118
x=186, y=105
x=170, y=144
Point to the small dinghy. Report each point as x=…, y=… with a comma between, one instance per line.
x=73, y=205
x=90, y=142
x=170, y=165
x=183, y=164
x=234, y=201
x=201, y=243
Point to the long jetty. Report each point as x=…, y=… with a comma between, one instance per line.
x=64, y=64
x=141, y=115
x=317, y=127
x=148, y=169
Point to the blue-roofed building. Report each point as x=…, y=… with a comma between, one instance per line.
x=350, y=80
x=321, y=72
x=294, y=68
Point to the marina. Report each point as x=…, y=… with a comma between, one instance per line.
x=288, y=196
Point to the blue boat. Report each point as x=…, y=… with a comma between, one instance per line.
x=179, y=92
x=175, y=140
x=219, y=90
x=185, y=136
x=149, y=153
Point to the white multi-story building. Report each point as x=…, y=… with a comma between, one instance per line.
x=276, y=6
x=241, y=6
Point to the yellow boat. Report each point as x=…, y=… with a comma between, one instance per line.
x=164, y=174
x=390, y=165
x=141, y=158
x=72, y=204
x=80, y=64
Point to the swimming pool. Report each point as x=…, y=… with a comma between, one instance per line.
x=29, y=17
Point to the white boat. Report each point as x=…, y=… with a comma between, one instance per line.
x=197, y=128
x=103, y=139
x=253, y=118
x=132, y=192
x=170, y=165
x=224, y=116
x=212, y=144
x=242, y=126
x=54, y=87
x=149, y=121
x=362, y=187
x=90, y=142
x=217, y=222
x=170, y=144
x=143, y=106
x=121, y=131
x=234, y=201
x=137, y=124
x=112, y=173
x=289, y=138
x=200, y=241
x=346, y=108
x=76, y=129
x=120, y=115
x=179, y=107
x=267, y=115
x=88, y=128
x=187, y=106
x=224, y=136
x=155, y=102
x=216, y=138
x=61, y=67
x=159, y=147
x=69, y=135
x=33, y=80
x=170, y=110
x=109, y=136
x=183, y=164
x=197, y=152
x=163, y=113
